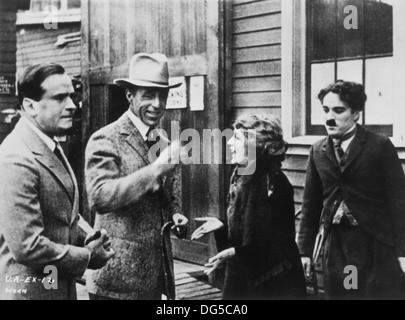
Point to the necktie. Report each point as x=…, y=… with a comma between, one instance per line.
x=339, y=150
x=149, y=141
x=338, y=143
x=59, y=155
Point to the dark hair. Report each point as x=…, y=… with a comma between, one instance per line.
x=350, y=92
x=30, y=81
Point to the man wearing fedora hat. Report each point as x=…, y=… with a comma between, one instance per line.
x=131, y=194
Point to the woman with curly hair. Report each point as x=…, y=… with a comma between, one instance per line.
x=258, y=240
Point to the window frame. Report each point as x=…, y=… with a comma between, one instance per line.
x=65, y=15
x=294, y=73
x=316, y=129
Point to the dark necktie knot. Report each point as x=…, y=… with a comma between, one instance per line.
x=149, y=137
x=337, y=143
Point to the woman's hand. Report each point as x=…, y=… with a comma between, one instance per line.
x=219, y=259
x=211, y=224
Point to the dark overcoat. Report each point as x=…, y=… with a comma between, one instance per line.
x=371, y=182
x=261, y=228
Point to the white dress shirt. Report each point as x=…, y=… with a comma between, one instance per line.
x=46, y=139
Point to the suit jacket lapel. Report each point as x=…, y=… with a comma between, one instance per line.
x=48, y=159
x=356, y=147
x=134, y=138
x=75, y=201
x=329, y=152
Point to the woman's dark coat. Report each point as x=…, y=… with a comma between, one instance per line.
x=267, y=264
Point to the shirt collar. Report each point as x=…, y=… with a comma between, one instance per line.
x=47, y=140
x=142, y=128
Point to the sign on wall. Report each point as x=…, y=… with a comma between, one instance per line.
x=7, y=86
x=177, y=96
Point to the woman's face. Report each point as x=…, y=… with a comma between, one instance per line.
x=238, y=147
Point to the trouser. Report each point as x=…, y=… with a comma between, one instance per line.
x=157, y=294
x=372, y=268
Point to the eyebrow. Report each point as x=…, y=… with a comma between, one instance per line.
x=63, y=95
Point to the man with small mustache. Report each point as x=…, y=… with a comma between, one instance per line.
x=39, y=198
x=353, y=211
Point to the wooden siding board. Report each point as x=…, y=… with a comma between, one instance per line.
x=254, y=99
x=276, y=112
x=256, y=8
x=257, y=53
x=257, y=84
x=264, y=68
x=257, y=23
x=295, y=162
x=259, y=38
x=297, y=179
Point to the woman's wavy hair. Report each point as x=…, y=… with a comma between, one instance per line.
x=269, y=136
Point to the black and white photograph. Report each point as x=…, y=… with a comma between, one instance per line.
x=214, y=151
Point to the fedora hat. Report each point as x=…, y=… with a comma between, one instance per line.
x=147, y=70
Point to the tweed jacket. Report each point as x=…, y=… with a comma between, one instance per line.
x=39, y=220
x=371, y=183
x=132, y=205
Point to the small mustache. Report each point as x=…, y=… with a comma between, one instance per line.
x=331, y=123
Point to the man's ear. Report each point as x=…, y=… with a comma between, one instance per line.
x=356, y=115
x=28, y=106
x=129, y=95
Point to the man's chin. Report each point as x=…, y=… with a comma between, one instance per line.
x=332, y=132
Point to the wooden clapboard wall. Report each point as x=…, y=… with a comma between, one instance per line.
x=256, y=57
x=8, y=9
x=35, y=44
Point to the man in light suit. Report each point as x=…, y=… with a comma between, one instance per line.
x=39, y=218
x=355, y=194
x=131, y=192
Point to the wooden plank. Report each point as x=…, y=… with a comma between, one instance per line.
x=38, y=32
x=298, y=163
x=297, y=179
x=258, y=38
x=118, y=37
x=257, y=84
x=188, y=65
x=191, y=251
x=257, y=99
x=98, y=107
x=191, y=295
x=180, y=276
x=7, y=57
x=7, y=68
x=270, y=21
x=298, y=194
x=256, y=8
x=241, y=2
x=185, y=280
x=193, y=286
x=96, y=33
x=8, y=17
x=257, y=54
x=212, y=296
x=266, y=68
x=257, y=111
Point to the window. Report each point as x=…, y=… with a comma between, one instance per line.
x=68, y=11
x=363, y=54
x=40, y=5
